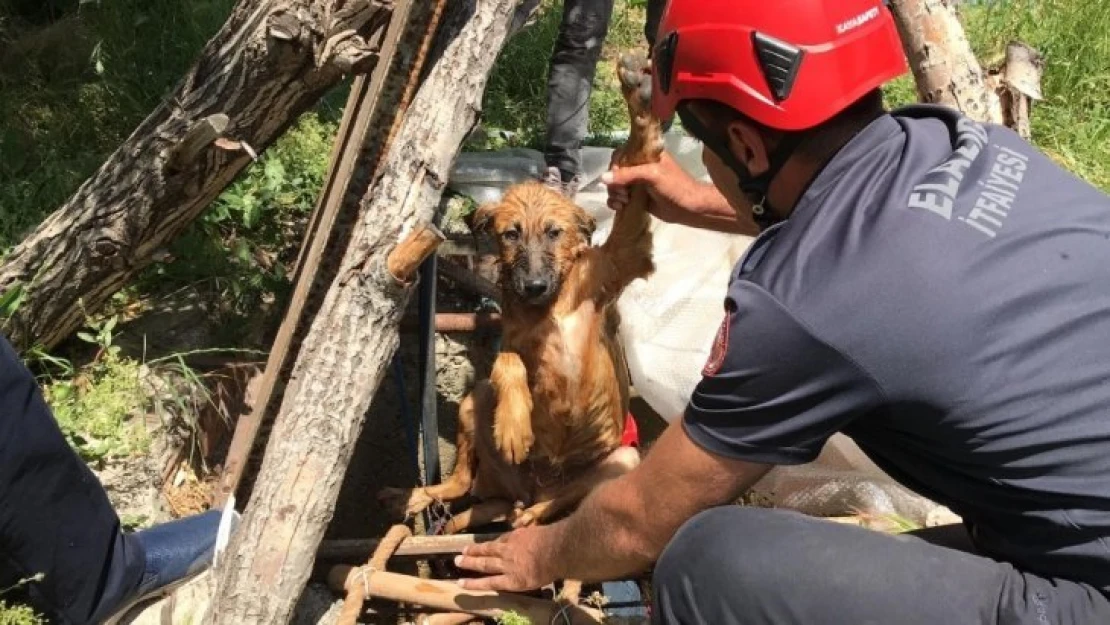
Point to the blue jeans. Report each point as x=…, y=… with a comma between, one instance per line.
x=55, y=518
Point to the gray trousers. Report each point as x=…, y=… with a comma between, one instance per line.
x=570, y=81
x=756, y=566
x=571, y=76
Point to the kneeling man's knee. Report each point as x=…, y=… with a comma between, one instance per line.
x=722, y=563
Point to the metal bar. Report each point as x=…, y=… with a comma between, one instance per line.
x=428, y=420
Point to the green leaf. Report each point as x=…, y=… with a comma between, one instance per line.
x=275, y=172
x=252, y=210
x=11, y=300
x=85, y=336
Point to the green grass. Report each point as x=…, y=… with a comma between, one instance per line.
x=101, y=408
x=72, y=89
x=512, y=618
x=14, y=614
x=1072, y=123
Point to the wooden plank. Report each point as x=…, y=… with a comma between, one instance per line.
x=359, y=112
x=414, y=546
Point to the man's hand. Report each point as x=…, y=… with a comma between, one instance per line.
x=620, y=528
x=675, y=196
x=514, y=563
x=674, y=193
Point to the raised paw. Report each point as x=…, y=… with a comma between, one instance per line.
x=512, y=433
x=634, y=72
x=404, y=502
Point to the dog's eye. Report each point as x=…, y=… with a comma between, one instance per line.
x=511, y=235
x=554, y=233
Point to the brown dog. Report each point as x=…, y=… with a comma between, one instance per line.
x=546, y=427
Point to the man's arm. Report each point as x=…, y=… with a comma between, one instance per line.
x=622, y=527
x=676, y=197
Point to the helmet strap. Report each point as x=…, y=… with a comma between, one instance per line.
x=755, y=188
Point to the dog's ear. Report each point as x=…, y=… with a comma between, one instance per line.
x=482, y=218
x=586, y=225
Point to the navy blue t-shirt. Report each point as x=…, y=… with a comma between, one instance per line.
x=940, y=294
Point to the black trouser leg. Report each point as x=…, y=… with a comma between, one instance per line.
x=757, y=566
x=570, y=80
x=55, y=518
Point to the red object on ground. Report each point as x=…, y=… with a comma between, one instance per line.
x=631, y=436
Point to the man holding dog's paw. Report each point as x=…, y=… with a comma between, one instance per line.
x=933, y=287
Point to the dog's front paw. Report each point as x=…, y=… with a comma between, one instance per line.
x=524, y=518
x=404, y=502
x=634, y=73
x=512, y=433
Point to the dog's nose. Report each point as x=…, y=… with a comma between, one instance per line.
x=535, y=288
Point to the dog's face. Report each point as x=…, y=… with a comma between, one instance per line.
x=539, y=235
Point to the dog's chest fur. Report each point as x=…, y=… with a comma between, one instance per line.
x=576, y=399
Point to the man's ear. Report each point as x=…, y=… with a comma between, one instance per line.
x=482, y=218
x=748, y=146
x=586, y=225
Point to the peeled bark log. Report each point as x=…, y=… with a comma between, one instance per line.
x=271, y=61
x=343, y=358
x=1020, y=85
x=944, y=66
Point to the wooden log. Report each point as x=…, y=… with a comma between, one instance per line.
x=944, y=66
x=405, y=259
x=271, y=62
x=446, y=618
x=468, y=280
x=450, y=597
x=1020, y=85
x=352, y=338
x=362, y=152
x=362, y=108
x=418, y=546
x=357, y=593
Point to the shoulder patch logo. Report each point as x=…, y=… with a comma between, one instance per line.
x=719, y=349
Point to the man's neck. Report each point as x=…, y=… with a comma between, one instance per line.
x=807, y=162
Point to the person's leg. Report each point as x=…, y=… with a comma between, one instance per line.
x=56, y=520
x=651, y=23
x=570, y=80
x=757, y=566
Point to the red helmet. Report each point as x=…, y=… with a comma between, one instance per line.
x=789, y=65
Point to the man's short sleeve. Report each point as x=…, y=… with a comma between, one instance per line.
x=771, y=392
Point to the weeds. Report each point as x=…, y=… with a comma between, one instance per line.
x=513, y=618
x=100, y=409
x=16, y=614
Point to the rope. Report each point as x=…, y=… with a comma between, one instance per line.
x=364, y=573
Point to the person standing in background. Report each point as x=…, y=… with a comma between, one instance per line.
x=582, y=33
